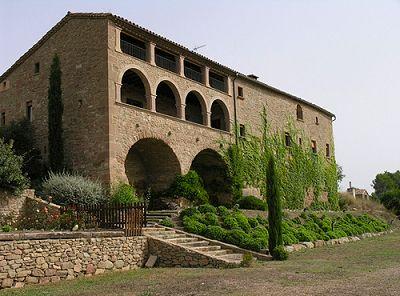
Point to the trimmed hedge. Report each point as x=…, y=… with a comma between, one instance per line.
x=233, y=227
x=252, y=203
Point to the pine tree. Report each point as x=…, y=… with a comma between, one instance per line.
x=55, y=114
x=274, y=207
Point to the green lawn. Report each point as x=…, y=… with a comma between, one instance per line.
x=367, y=267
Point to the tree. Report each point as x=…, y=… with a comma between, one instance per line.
x=274, y=209
x=386, y=182
x=55, y=114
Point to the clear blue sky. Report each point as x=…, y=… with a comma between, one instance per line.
x=342, y=55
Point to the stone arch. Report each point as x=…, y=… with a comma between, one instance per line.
x=151, y=163
x=195, y=107
x=134, y=87
x=213, y=170
x=168, y=99
x=220, y=118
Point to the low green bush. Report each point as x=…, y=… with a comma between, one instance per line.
x=223, y=211
x=189, y=212
x=261, y=220
x=211, y=219
x=252, y=203
x=279, y=253
x=215, y=232
x=236, y=237
x=124, y=194
x=253, y=222
x=7, y=228
x=72, y=189
x=190, y=224
x=207, y=208
x=189, y=186
x=167, y=222
x=247, y=260
x=230, y=222
x=242, y=221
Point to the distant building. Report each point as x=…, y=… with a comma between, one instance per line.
x=358, y=192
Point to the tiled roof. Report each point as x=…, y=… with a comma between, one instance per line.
x=119, y=20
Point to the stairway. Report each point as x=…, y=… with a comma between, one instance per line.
x=228, y=254
x=155, y=217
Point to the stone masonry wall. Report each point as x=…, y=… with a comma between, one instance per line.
x=52, y=260
x=170, y=255
x=12, y=205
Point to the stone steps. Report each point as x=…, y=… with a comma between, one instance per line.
x=231, y=255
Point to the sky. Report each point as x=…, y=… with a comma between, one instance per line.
x=341, y=55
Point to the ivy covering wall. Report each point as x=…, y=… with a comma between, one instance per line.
x=300, y=170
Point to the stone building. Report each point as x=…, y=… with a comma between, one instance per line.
x=141, y=108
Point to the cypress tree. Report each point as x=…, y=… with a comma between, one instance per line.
x=55, y=114
x=274, y=207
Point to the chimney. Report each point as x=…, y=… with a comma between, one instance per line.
x=350, y=184
x=252, y=76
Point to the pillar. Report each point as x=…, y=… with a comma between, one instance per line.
x=207, y=119
x=150, y=54
x=151, y=102
x=118, y=92
x=181, y=66
x=228, y=85
x=118, y=39
x=181, y=111
x=206, y=74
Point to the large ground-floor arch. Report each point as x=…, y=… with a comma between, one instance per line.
x=213, y=170
x=151, y=163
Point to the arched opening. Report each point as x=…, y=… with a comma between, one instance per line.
x=151, y=163
x=299, y=112
x=133, y=91
x=166, y=100
x=193, y=109
x=213, y=170
x=219, y=116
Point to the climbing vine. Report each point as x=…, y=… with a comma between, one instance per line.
x=301, y=171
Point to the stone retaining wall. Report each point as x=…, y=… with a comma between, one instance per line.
x=171, y=255
x=11, y=205
x=51, y=260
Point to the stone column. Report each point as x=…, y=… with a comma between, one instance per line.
x=118, y=92
x=206, y=74
x=118, y=39
x=207, y=118
x=181, y=65
x=228, y=85
x=181, y=111
x=150, y=53
x=151, y=102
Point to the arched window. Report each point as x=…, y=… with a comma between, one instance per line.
x=166, y=100
x=219, y=116
x=193, y=109
x=133, y=91
x=299, y=112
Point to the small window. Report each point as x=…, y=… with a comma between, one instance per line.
x=328, y=151
x=242, y=130
x=299, y=112
x=29, y=113
x=288, y=140
x=37, y=68
x=316, y=121
x=314, y=146
x=300, y=142
x=240, y=91
x=3, y=119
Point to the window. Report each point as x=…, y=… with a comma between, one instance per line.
x=288, y=140
x=3, y=119
x=29, y=114
x=242, y=130
x=316, y=121
x=299, y=112
x=300, y=142
x=328, y=151
x=314, y=146
x=37, y=68
x=240, y=91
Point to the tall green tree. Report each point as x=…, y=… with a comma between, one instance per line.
x=274, y=207
x=55, y=115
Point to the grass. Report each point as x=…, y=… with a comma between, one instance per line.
x=367, y=267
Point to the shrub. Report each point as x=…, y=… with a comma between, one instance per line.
x=253, y=222
x=211, y=219
x=71, y=189
x=262, y=220
x=190, y=186
x=261, y=233
x=230, y=222
x=252, y=203
x=6, y=228
x=215, y=232
x=167, y=222
x=11, y=176
x=192, y=225
x=247, y=260
x=236, y=237
x=207, y=208
x=279, y=253
x=223, y=211
x=242, y=221
x=123, y=193
x=254, y=244
x=391, y=200
x=189, y=212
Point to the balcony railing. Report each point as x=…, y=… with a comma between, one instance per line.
x=217, y=84
x=193, y=74
x=133, y=50
x=165, y=63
